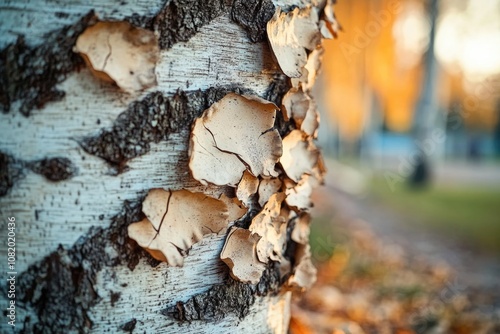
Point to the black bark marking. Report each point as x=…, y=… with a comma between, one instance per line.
x=233, y=297
x=129, y=326
x=30, y=74
x=141, y=21
x=115, y=296
x=253, y=15
x=179, y=20
x=60, y=287
x=278, y=88
x=53, y=169
x=10, y=171
x=150, y=120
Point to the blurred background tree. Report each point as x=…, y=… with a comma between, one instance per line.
x=387, y=79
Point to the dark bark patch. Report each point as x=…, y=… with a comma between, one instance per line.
x=150, y=120
x=30, y=74
x=253, y=15
x=233, y=297
x=129, y=326
x=114, y=297
x=141, y=21
x=54, y=285
x=60, y=287
x=278, y=88
x=54, y=169
x=10, y=172
x=179, y=20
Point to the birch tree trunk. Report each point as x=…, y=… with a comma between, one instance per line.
x=427, y=123
x=78, y=156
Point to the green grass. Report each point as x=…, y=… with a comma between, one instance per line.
x=323, y=239
x=470, y=213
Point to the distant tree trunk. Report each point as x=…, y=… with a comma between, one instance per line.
x=426, y=131
x=78, y=155
x=496, y=132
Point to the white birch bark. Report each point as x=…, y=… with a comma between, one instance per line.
x=57, y=223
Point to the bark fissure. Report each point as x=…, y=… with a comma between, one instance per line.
x=10, y=172
x=179, y=20
x=277, y=89
x=220, y=300
x=60, y=287
x=53, y=169
x=151, y=120
x=253, y=15
x=30, y=74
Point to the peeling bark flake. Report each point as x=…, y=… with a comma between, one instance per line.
x=150, y=120
x=120, y=53
x=60, y=288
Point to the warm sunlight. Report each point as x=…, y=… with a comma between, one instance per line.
x=468, y=39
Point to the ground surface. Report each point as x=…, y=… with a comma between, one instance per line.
x=378, y=275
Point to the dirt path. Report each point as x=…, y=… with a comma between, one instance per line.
x=473, y=269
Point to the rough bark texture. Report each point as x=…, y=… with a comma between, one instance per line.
x=253, y=16
x=181, y=19
x=10, y=172
x=30, y=74
x=53, y=169
x=220, y=300
x=150, y=120
x=75, y=171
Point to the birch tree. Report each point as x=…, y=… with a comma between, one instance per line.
x=95, y=132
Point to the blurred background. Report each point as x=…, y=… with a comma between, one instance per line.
x=410, y=105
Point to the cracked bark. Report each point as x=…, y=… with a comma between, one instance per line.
x=74, y=173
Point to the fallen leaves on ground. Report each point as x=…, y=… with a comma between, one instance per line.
x=368, y=286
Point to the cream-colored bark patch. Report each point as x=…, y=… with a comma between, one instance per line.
x=268, y=187
x=240, y=256
x=235, y=208
x=120, y=53
x=298, y=196
x=270, y=225
x=313, y=67
x=291, y=35
x=300, y=155
x=304, y=275
x=247, y=188
x=330, y=20
x=300, y=232
x=299, y=106
x=234, y=135
x=175, y=220
x=279, y=314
